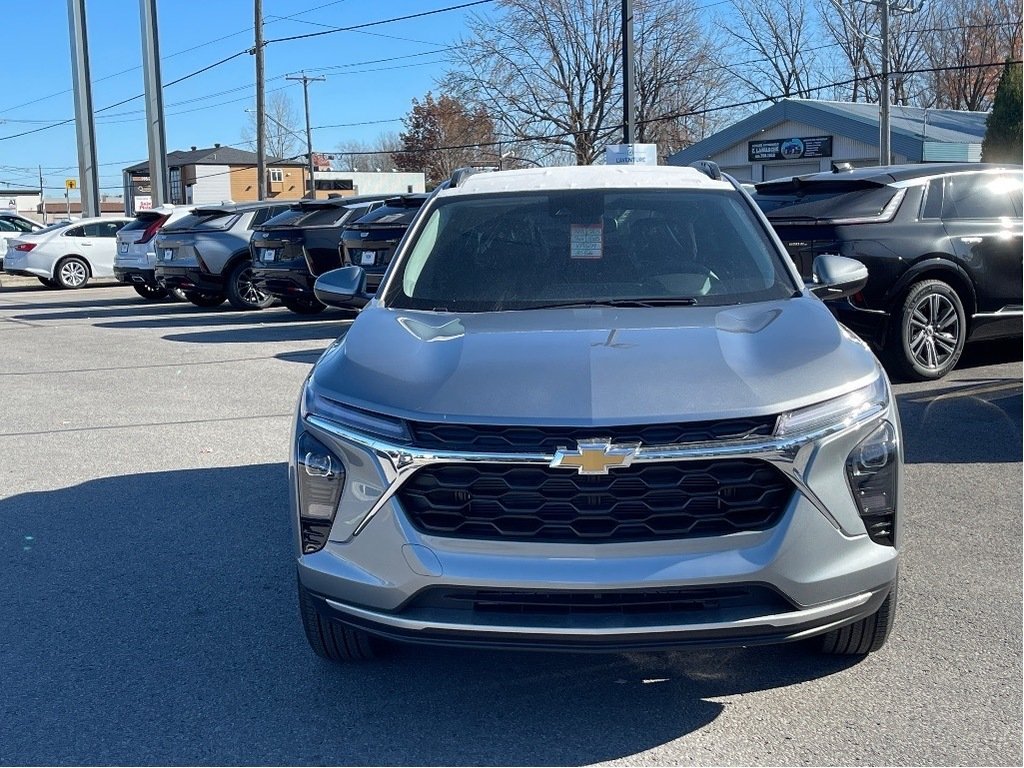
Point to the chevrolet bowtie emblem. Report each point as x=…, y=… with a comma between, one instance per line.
x=595, y=457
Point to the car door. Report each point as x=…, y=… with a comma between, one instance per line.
x=981, y=213
x=100, y=246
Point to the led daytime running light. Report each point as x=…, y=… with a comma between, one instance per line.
x=843, y=410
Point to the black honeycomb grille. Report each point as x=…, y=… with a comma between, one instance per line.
x=483, y=438
x=642, y=502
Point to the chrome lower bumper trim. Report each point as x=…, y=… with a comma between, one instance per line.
x=773, y=621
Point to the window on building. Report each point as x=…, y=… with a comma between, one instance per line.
x=276, y=175
x=174, y=175
x=335, y=185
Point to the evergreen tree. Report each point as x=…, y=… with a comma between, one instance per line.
x=1003, y=130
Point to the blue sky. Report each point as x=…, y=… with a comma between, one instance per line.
x=207, y=108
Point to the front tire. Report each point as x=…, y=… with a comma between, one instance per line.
x=331, y=640
x=242, y=291
x=304, y=306
x=205, y=300
x=71, y=272
x=864, y=636
x=48, y=282
x=149, y=292
x=928, y=337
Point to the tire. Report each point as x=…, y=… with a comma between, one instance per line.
x=242, y=292
x=331, y=640
x=206, y=300
x=304, y=306
x=864, y=636
x=928, y=337
x=176, y=294
x=48, y=282
x=150, y=292
x=71, y=272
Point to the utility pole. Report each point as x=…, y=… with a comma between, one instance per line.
x=84, y=126
x=154, y=103
x=306, y=80
x=884, y=156
x=261, y=106
x=628, y=75
x=42, y=195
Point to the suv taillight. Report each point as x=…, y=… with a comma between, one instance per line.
x=151, y=230
x=25, y=247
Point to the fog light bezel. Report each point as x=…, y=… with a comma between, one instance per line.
x=317, y=490
x=861, y=478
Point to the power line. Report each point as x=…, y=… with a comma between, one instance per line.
x=364, y=25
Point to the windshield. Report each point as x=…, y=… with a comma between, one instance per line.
x=530, y=250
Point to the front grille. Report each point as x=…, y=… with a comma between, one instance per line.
x=486, y=437
x=677, y=602
x=642, y=502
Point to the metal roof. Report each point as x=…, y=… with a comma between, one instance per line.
x=213, y=156
x=910, y=126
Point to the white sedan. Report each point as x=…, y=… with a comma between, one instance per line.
x=66, y=255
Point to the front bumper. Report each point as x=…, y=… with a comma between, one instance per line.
x=817, y=559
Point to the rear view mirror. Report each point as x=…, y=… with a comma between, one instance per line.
x=837, y=276
x=345, y=288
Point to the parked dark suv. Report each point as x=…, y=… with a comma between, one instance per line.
x=370, y=242
x=290, y=250
x=942, y=245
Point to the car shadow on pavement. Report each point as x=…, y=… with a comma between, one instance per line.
x=152, y=619
x=303, y=331
x=966, y=421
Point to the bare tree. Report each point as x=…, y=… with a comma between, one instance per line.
x=778, y=39
x=678, y=74
x=971, y=32
x=851, y=26
x=282, y=129
x=355, y=155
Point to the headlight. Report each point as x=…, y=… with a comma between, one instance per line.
x=315, y=404
x=321, y=477
x=871, y=470
x=844, y=410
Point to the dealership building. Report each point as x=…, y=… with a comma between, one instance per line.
x=798, y=136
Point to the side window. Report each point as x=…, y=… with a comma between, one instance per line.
x=96, y=229
x=932, y=208
x=978, y=196
x=266, y=213
x=110, y=228
x=7, y=226
x=75, y=232
x=25, y=226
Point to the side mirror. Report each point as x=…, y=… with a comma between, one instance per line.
x=345, y=288
x=837, y=276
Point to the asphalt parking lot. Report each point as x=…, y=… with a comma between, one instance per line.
x=148, y=615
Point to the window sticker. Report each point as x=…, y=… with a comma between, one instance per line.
x=586, y=241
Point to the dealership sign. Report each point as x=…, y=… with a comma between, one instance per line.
x=790, y=149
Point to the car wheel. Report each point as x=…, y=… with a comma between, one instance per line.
x=203, y=299
x=928, y=338
x=71, y=272
x=48, y=282
x=864, y=636
x=242, y=291
x=331, y=640
x=149, y=292
x=304, y=306
x=176, y=294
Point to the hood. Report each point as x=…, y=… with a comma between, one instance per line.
x=594, y=366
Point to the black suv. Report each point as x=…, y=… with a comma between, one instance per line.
x=291, y=249
x=370, y=242
x=942, y=245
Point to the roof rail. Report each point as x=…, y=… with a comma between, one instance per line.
x=839, y=167
x=708, y=168
x=459, y=175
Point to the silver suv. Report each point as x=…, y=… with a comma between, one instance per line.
x=596, y=408
x=206, y=254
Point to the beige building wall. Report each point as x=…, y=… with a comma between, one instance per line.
x=244, y=186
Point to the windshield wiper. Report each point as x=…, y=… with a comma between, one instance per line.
x=653, y=301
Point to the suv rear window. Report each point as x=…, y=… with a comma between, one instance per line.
x=203, y=220
x=314, y=216
x=143, y=220
x=826, y=200
x=529, y=250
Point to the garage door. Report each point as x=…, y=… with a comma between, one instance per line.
x=788, y=169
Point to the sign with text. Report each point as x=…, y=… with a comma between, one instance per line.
x=631, y=154
x=790, y=149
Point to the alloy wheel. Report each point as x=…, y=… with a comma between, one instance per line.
x=247, y=289
x=73, y=273
x=934, y=331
